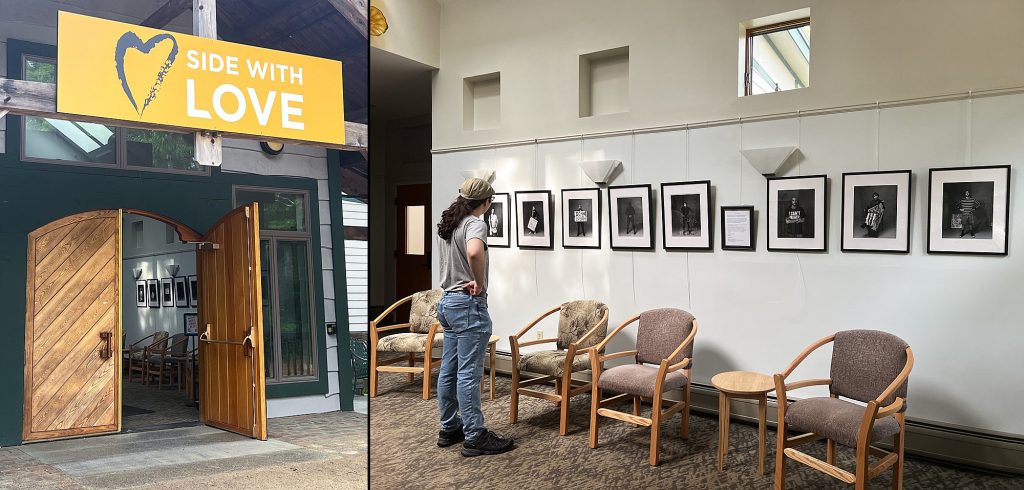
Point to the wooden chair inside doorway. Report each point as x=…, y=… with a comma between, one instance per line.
x=139, y=352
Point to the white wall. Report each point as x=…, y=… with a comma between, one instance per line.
x=413, y=29
x=757, y=310
x=683, y=58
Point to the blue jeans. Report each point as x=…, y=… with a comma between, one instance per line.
x=467, y=328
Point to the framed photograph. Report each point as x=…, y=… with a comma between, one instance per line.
x=876, y=212
x=632, y=217
x=191, y=324
x=497, y=219
x=581, y=218
x=798, y=213
x=140, y=294
x=167, y=292
x=968, y=210
x=738, y=228
x=534, y=224
x=686, y=215
x=193, y=292
x=181, y=292
x=153, y=293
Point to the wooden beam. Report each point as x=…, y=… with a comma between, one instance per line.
x=166, y=13
x=22, y=97
x=209, y=145
x=356, y=13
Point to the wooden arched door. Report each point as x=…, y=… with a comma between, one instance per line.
x=73, y=327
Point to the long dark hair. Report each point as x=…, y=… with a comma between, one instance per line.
x=451, y=217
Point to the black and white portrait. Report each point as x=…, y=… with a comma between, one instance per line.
x=140, y=293
x=797, y=214
x=968, y=210
x=533, y=221
x=193, y=291
x=153, y=291
x=686, y=215
x=581, y=218
x=876, y=211
x=496, y=219
x=181, y=292
x=167, y=292
x=632, y=225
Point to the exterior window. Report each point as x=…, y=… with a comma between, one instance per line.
x=286, y=276
x=778, y=57
x=76, y=142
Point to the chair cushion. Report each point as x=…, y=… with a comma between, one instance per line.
x=638, y=379
x=836, y=419
x=865, y=362
x=407, y=342
x=137, y=355
x=576, y=318
x=423, y=311
x=659, y=334
x=551, y=362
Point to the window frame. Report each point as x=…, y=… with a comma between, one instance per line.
x=273, y=236
x=120, y=138
x=748, y=44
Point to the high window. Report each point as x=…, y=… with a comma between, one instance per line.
x=778, y=57
x=85, y=143
x=286, y=274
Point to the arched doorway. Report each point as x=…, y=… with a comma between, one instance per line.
x=73, y=368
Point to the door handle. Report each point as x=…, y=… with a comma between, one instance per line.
x=106, y=352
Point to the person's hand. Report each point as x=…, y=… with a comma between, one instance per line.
x=472, y=288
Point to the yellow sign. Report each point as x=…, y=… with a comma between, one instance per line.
x=122, y=71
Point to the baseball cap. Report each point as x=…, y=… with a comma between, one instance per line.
x=475, y=189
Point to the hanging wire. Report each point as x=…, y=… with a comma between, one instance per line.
x=878, y=134
x=739, y=154
x=968, y=144
x=593, y=213
x=632, y=174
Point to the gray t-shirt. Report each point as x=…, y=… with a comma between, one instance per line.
x=455, y=270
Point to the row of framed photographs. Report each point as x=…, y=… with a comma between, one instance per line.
x=968, y=211
x=180, y=292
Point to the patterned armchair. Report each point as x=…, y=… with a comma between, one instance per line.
x=664, y=347
x=581, y=325
x=417, y=345
x=868, y=366
x=139, y=352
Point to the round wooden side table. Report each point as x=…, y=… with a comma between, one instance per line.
x=741, y=384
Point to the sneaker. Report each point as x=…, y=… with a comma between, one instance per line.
x=489, y=443
x=450, y=438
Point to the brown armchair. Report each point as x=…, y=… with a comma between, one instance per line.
x=139, y=352
x=665, y=338
x=160, y=359
x=581, y=324
x=868, y=366
x=417, y=345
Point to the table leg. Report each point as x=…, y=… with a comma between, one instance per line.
x=762, y=411
x=723, y=428
x=493, y=345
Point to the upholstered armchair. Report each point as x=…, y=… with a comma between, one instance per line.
x=664, y=348
x=160, y=358
x=581, y=325
x=868, y=366
x=139, y=352
x=417, y=345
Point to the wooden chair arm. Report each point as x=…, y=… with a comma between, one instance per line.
x=143, y=339
x=392, y=327
x=603, y=322
x=600, y=346
x=435, y=328
x=807, y=382
x=685, y=342
x=806, y=352
x=615, y=355
x=900, y=378
x=890, y=409
x=685, y=363
x=392, y=308
x=535, y=342
x=534, y=323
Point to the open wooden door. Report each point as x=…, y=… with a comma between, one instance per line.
x=73, y=327
x=232, y=381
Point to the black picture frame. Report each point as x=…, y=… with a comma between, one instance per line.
x=1001, y=243
x=504, y=199
x=798, y=244
x=141, y=294
x=751, y=217
x=646, y=191
x=903, y=245
x=705, y=215
x=153, y=293
x=595, y=212
x=181, y=292
x=167, y=292
x=550, y=239
x=193, y=292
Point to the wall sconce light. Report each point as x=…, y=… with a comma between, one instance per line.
x=480, y=173
x=137, y=273
x=600, y=171
x=173, y=269
x=767, y=161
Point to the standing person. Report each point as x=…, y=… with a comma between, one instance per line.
x=630, y=213
x=966, y=208
x=493, y=218
x=873, y=214
x=580, y=217
x=687, y=216
x=536, y=219
x=795, y=217
x=463, y=314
